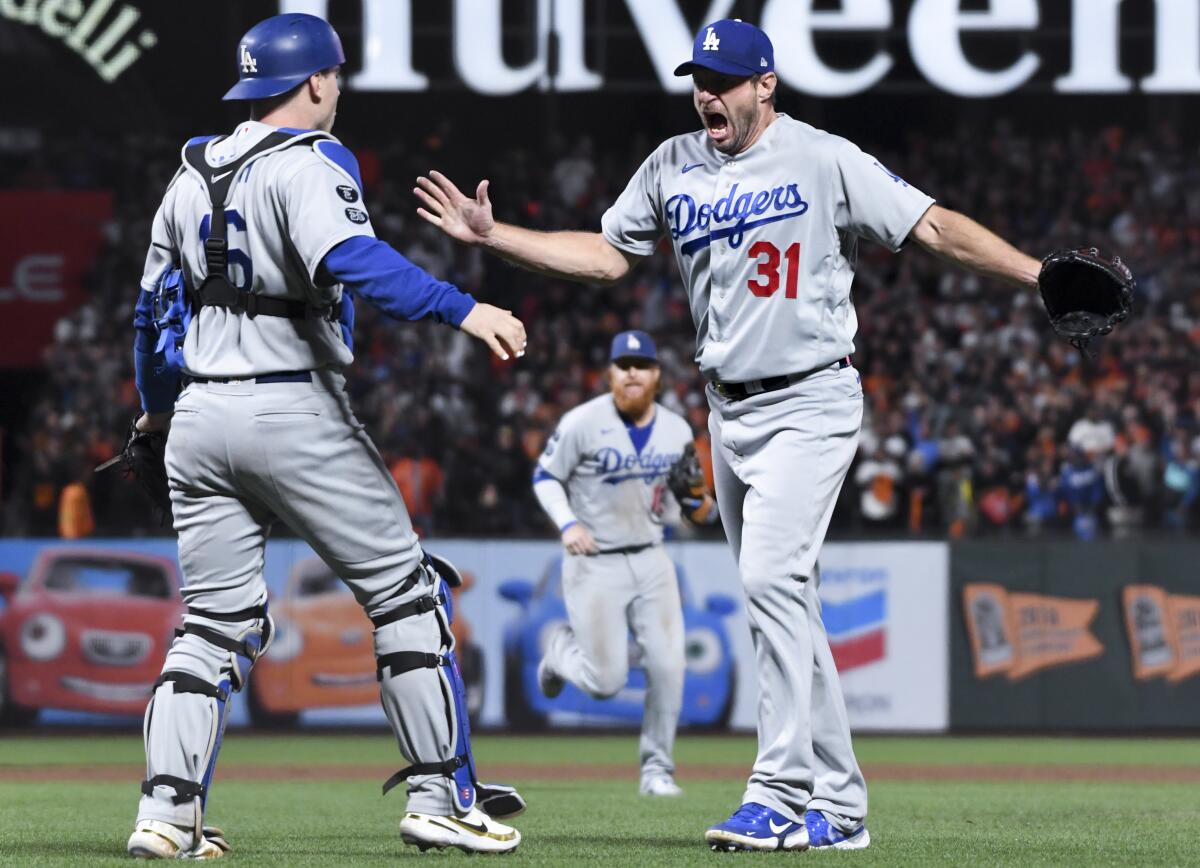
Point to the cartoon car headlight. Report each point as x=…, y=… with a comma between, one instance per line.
x=702, y=650
x=43, y=637
x=287, y=643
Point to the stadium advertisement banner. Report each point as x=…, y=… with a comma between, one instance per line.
x=884, y=607
x=50, y=241
x=1089, y=636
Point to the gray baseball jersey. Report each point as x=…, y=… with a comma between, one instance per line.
x=617, y=491
x=286, y=210
x=765, y=241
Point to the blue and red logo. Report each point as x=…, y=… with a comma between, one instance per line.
x=854, y=609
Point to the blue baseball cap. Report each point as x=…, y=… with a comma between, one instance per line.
x=633, y=345
x=732, y=47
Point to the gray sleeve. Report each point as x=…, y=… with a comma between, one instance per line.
x=875, y=203
x=634, y=222
x=561, y=455
x=318, y=216
x=163, y=249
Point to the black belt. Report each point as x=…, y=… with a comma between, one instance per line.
x=626, y=550
x=737, y=391
x=278, y=377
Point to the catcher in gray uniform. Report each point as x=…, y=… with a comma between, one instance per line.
x=615, y=471
x=764, y=213
x=257, y=252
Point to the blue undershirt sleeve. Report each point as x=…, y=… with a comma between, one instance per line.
x=375, y=271
x=157, y=387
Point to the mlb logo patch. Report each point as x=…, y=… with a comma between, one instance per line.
x=854, y=609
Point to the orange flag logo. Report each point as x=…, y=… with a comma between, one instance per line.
x=1164, y=633
x=1019, y=633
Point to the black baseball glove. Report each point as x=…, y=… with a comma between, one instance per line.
x=686, y=480
x=1085, y=294
x=144, y=458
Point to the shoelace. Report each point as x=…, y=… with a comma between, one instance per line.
x=750, y=812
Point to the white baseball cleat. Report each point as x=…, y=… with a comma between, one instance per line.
x=153, y=839
x=474, y=833
x=662, y=785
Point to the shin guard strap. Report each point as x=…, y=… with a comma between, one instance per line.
x=405, y=661
x=419, y=606
x=185, y=682
x=446, y=769
x=185, y=790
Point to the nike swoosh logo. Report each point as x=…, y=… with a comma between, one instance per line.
x=607, y=430
x=775, y=830
x=216, y=178
x=687, y=169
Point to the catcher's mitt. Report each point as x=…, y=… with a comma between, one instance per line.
x=1085, y=294
x=144, y=458
x=686, y=479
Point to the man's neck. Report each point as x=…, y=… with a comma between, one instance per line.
x=769, y=118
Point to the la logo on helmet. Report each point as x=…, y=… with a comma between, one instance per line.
x=711, y=42
x=249, y=64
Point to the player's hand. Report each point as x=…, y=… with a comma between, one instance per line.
x=577, y=540
x=465, y=219
x=153, y=422
x=497, y=328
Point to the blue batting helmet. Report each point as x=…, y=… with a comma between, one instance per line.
x=278, y=54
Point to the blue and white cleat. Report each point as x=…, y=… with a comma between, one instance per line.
x=821, y=835
x=757, y=827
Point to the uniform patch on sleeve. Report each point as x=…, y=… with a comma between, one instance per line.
x=356, y=215
x=347, y=192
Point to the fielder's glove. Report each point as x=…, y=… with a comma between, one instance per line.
x=1085, y=294
x=144, y=458
x=686, y=481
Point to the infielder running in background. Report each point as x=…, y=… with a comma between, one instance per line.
x=268, y=227
x=615, y=471
x=764, y=213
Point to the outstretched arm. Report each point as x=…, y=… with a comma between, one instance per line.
x=959, y=239
x=586, y=257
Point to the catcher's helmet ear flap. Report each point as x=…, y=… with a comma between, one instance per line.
x=279, y=53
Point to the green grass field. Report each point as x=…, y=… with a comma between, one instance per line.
x=1122, y=817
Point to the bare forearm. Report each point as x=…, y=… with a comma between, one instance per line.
x=959, y=239
x=585, y=257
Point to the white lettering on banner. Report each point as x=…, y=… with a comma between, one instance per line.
x=37, y=278
x=1095, y=38
x=800, y=61
x=74, y=23
x=1176, y=47
x=668, y=38
x=933, y=31
x=933, y=35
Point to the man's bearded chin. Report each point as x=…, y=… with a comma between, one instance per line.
x=632, y=406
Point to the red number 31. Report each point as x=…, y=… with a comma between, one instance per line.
x=767, y=282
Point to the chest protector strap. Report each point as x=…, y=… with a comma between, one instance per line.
x=217, y=290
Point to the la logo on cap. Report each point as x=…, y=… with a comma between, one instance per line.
x=711, y=42
x=634, y=343
x=249, y=64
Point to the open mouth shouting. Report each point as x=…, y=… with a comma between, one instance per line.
x=717, y=126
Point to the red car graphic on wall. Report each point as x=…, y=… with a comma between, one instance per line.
x=87, y=630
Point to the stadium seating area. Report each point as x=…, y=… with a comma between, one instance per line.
x=978, y=420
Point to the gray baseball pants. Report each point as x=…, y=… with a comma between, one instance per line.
x=779, y=459
x=608, y=595
x=240, y=455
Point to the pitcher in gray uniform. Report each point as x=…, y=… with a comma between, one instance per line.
x=267, y=229
x=602, y=480
x=764, y=213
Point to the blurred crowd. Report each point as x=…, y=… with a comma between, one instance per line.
x=978, y=420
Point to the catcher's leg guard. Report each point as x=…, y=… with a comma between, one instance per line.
x=426, y=619
x=211, y=657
